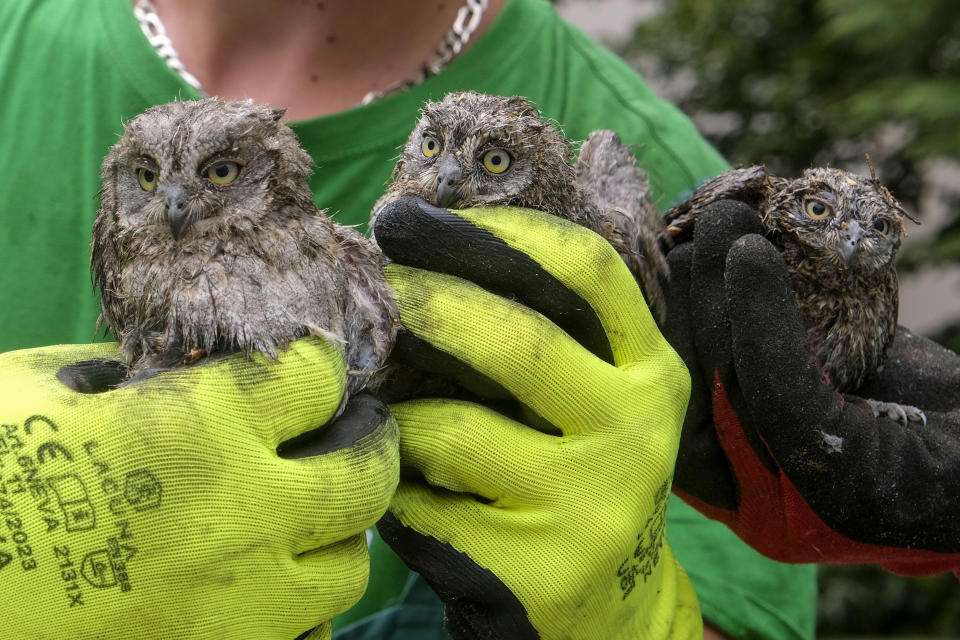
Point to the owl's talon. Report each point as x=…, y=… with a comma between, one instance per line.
x=904, y=413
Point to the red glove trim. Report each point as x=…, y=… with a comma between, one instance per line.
x=776, y=520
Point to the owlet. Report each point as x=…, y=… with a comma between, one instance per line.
x=839, y=234
x=208, y=241
x=473, y=149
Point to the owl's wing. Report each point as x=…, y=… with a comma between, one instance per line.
x=606, y=169
x=608, y=173
x=748, y=184
x=370, y=309
x=104, y=265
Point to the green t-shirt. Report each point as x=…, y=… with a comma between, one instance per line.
x=72, y=72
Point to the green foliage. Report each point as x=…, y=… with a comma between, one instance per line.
x=819, y=81
x=865, y=600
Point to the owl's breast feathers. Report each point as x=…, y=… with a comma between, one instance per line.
x=257, y=291
x=850, y=317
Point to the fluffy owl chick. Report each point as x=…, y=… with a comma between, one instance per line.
x=473, y=149
x=839, y=234
x=207, y=241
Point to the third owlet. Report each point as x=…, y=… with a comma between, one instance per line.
x=473, y=149
x=839, y=234
x=207, y=241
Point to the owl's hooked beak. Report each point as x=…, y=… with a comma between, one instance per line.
x=176, y=199
x=852, y=233
x=448, y=182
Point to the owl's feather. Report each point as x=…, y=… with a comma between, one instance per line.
x=604, y=191
x=186, y=265
x=608, y=173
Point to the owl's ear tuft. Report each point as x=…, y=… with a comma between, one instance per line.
x=276, y=114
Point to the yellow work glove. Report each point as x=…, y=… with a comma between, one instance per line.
x=162, y=509
x=555, y=532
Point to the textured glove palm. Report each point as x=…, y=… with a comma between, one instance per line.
x=162, y=510
x=522, y=533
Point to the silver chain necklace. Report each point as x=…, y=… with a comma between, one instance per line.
x=466, y=22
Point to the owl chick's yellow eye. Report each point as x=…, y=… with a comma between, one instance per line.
x=882, y=226
x=496, y=161
x=817, y=209
x=146, y=178
x=430, y=147
x=223, y=172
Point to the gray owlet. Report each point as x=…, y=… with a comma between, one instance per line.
x=839, y=234
x=473, y=149
x=208, y=241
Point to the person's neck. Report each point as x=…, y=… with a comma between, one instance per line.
x=313, y=58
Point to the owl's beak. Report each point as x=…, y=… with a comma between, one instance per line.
x=448, y=182
x=176, y=199
x=850, y=240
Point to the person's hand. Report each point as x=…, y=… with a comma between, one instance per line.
x=799, y=471
x=527, y=533
x=161, y=509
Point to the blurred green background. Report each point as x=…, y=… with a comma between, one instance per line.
x=795, y=84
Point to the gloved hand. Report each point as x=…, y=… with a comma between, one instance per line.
x=526, y=533
x=799, y=471
x=162, y=510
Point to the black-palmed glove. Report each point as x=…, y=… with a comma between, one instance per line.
x=799, y=471
x=525, y=533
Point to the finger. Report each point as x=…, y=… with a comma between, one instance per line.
x=702, y=467
x=537, y=362
x=93, y=376
x=335, y=494
x=509, y=467
x=420, y=355
x=919, y=372
x=717, y=228
x=495, y=458
x=569, y=274
x=50, y=361
x=476, y=600
x=677, y=329
x=774, y=381
x=362, y=415
x=280, y=399
x=330, y=580
x=414, y=233
x=773, y=357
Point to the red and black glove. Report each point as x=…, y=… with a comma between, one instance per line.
x=799, y=471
